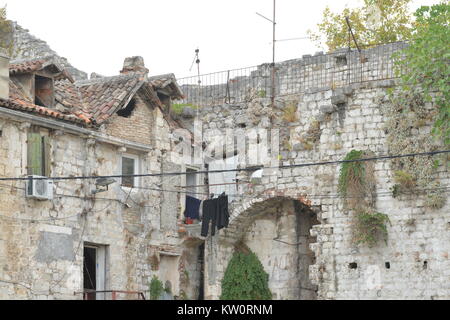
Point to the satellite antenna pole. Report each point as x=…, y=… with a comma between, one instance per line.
x=352, y=34
x=273, y=55
x=273, y=48
x=197, y=61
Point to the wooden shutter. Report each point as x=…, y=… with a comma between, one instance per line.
x=34, y=161
x=46, y=156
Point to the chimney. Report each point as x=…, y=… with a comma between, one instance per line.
x=135, y=65
x=4, y=75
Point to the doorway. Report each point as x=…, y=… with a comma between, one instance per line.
x=94, y=271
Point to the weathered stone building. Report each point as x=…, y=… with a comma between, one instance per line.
x=88, y=234
x=293, y=218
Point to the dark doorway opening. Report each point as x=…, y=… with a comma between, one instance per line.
x=89, y=272
x=201, y=261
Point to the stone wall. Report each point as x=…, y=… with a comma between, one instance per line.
x=27, y=46
x=325, y=125
x=310, y=73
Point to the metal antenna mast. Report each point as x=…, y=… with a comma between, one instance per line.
x=197, y=61
x=199, y=82
x=273, y=48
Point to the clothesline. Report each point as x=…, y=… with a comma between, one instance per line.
x=212, y=185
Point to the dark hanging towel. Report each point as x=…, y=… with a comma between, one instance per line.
x=209, y=213
x=192, y=208
x=223, y=215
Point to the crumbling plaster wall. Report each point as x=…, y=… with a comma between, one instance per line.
x=328, y=124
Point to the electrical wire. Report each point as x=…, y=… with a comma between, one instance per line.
x=331, y=162
x=379, y=193
x=313, y=196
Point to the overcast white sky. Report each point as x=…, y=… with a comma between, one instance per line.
x=96, y=35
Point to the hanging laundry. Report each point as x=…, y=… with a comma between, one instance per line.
x=223, y=215
x=192, y=208
x=209, y=213
x=215, y=212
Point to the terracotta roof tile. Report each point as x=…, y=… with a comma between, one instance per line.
x=87, y=102
x=169, y=83
x=103, y=96
x=26, y=66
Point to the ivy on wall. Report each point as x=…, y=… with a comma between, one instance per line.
x=357, y=187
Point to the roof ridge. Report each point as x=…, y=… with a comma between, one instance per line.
x=82, y=83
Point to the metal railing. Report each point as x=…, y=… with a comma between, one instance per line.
x=319, y=72
x=114, y=294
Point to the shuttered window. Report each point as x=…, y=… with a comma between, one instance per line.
x=38, y=162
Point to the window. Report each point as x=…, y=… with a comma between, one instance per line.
x=43, y=91
x=128, y=110
x=38, y=162
x=129, y=167
x=191, y=182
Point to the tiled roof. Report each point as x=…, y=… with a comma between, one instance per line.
x=88, y=102
x=26, y=66
x=169, y=83
x=18, y=101
x=102, y=97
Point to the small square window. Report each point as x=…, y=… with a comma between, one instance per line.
x=129, y=167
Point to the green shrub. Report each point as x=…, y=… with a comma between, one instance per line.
x=156, y=288
x=245, y=279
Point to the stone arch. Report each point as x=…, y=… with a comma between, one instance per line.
x=277, y=229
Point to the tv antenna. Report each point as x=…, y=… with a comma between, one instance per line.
x=196, y=61
x=274, y=23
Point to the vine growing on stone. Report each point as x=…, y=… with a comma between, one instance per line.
x=408, y=121
x=357, y=186
x=245, y=278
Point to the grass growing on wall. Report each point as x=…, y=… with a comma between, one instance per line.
x=370, y=227
x=178, y=108
x=408, y=118
x=245, y=278
x=351, y=176
x=357, y=186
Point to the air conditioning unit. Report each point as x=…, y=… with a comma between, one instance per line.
x=40, y=189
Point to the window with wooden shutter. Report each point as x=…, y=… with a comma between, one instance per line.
x=38, y=162
x=46, y=156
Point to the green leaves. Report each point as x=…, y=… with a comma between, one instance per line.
x=351, y=172
x=426, y=61
x=378, y=21
x=156, y=288
x=245, y=279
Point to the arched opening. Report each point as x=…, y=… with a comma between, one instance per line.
x=277, y=230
